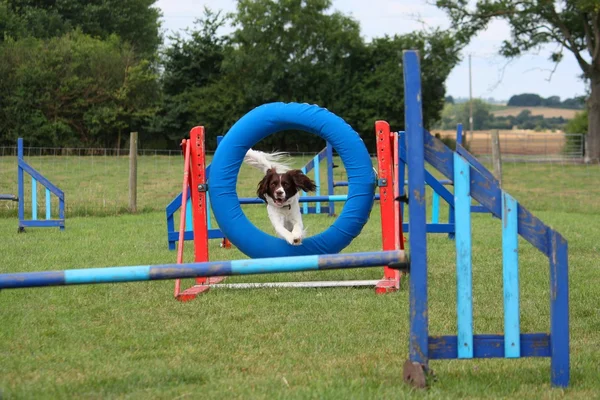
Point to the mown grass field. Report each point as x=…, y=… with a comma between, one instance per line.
x=135, y=341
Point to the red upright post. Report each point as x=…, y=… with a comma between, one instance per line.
x=184, y=196
x=196, y=165
x=391, y=221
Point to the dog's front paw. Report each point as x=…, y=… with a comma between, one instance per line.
x=294, y=240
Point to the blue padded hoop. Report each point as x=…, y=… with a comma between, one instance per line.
x=267, y=120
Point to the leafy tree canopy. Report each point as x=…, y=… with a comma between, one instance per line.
x=135, y=21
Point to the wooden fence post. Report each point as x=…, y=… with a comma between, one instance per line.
x=496, y=156
x=133, y=150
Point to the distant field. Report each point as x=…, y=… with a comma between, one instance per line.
x=547, y=112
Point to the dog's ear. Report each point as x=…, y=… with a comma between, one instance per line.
x=302, y=181
x=263, y=185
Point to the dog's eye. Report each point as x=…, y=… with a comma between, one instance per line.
x=273, y=184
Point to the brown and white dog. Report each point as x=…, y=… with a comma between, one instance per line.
x=280, y=189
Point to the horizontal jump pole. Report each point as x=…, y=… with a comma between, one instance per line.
x=446, y=182
x=306, y=284
x=303, y=199
x=202, y=269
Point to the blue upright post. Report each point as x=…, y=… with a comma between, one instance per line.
x=48, y=205
x=330, y=187
x=304, y=205
x=33, y=198
x=21, y=185
x=464, y=287
x=419, y=327
x=459, y=134
x=401, y=172
x=435, y=208
x=559, y=309
x=510, y=276
x=318, y=183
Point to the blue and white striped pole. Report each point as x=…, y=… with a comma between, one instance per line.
x=204, y=269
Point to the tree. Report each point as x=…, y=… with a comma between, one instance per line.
x=292, y=50
x=525, y=100
x=195, y=89
x=73, y=90
x=572, y=24
x=134, y=21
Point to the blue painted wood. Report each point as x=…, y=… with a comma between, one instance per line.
x=189, y=215
x=42, y=223
x=340, y=184
x=21, y=183
x=402, y=174
x=61, y=211
x=330, y=186
x=204, y=269
x=318, y=183
x=305, y=205
x=170, y=229
x=438, y=185
x=489, y=346
x=40, y=178
x=479, y=209
x=464, y=285
x=419, y=323
x=510, y=276
x=459, y=134
x=559, y=309
x=487, y=192
x=432, y=228
x=48, y=208
x=475, y=162
x=435, y=208
x=34, y=199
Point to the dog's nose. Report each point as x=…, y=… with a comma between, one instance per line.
x=280, y=191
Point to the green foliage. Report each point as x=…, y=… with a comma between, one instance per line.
x=535, y=100
x=454, y=114
x=294, y=51
x=579, y=124
x=134, y=21
x=72, y=90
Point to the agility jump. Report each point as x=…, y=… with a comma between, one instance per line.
x=471, y=180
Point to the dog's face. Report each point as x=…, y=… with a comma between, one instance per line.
x=282, y=187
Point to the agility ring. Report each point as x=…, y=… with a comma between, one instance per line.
x=267, y=120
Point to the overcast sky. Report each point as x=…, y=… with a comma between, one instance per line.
x=491, y=74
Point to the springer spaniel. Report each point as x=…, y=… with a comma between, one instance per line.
x=280, y=189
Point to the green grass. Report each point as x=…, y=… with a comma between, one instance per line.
x=135, y=341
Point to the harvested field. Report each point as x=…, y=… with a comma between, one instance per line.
x=546, y=112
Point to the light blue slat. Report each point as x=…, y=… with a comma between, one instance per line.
x=289, y=264
x=304, y=205
x=33, y=198
x=48, y=205
x=318, y=183
x=462, y=210
x=510, y=276
x=435, y=208
x=189, y=224
x=208, y=220
x=112, y=274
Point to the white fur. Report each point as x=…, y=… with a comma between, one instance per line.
x=265, y=161
x=285, y=218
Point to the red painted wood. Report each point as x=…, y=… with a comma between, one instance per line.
x=184, y=196
x=387, y=157
x=198, y=177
